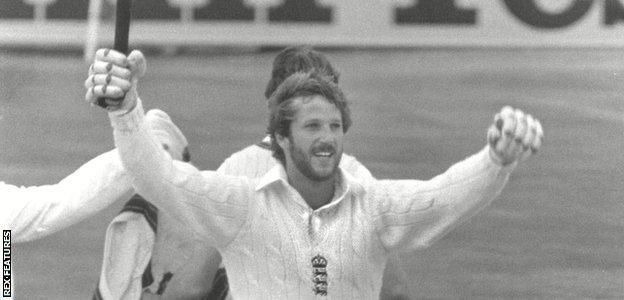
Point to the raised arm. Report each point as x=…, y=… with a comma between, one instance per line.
x=34, y=212
x=213, y=206
x=413, y=214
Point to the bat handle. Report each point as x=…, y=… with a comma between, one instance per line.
x=122, y=25
x=122, y=30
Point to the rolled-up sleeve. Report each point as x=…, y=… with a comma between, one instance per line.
x=214, y=206
x=411, y=214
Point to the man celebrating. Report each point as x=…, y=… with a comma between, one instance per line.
x=256, y=160
x=172, y=261
x=306, y=228
x=38, y=211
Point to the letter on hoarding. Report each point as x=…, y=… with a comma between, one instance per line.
x=300, y=11
x=225, y=10
x=67, y=10
x=16, y=9
x=614, y=12
x=530, y=13
x=154, y=10
x=440, y=12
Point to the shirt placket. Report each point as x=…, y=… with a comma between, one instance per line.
x=314, y=222
x=301, y=211
x=314, y=227
x=319, y=262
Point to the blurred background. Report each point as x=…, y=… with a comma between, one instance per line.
x=425, y=79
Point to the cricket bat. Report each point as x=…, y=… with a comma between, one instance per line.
x=122, y=30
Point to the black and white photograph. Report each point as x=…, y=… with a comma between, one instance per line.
x=312, y=149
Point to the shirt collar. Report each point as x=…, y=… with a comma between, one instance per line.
x=349, y=184
x=275, y=174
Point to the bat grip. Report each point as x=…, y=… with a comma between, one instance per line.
x=122, y=30
x=122, y=26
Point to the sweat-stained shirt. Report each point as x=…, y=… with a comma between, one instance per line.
x=276, y=247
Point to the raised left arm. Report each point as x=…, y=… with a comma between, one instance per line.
x=34, y=212
x=413, y=214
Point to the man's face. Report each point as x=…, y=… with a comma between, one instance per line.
x=314, y=147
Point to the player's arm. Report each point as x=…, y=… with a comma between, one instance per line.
x=413, y=214
x=34, y=212
x=212, y=205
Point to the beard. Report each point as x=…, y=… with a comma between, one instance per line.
x=303, y=162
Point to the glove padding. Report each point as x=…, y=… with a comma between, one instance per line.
x=113, y=77
x=514, y=136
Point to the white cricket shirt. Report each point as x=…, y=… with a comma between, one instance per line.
x=276, y=247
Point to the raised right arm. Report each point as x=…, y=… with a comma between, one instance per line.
x=212, y=205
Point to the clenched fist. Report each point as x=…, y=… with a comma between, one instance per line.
x=113, y=78
x=514, y=136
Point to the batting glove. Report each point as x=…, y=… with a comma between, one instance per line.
x=113, y=78
x=514, y=136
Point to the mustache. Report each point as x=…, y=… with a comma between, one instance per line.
x=324, y=148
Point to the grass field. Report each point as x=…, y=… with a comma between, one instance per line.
x=556, y=231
